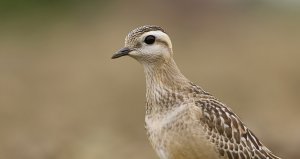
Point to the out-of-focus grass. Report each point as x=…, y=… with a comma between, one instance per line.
x=62, y=97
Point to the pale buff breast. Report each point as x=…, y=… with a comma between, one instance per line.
x=178, y=135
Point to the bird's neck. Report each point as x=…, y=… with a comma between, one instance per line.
x=162, y=81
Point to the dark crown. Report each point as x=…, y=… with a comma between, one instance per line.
x=141, y=30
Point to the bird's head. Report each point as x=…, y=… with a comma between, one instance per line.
x=147, y=44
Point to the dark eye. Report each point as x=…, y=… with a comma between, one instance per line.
x=150, y=39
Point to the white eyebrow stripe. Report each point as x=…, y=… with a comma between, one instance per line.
x=160, y=35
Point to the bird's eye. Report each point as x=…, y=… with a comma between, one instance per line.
x=150, y=39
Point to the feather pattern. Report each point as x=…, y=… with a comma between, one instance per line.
x=172, y=107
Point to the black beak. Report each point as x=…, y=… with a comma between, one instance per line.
x=123, y=52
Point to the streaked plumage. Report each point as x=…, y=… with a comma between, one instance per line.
x=182, y=120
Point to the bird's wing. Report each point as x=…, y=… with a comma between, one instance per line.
x=228, y=133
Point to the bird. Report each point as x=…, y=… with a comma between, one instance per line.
x=182, y=120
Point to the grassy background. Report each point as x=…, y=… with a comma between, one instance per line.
x=61, y=96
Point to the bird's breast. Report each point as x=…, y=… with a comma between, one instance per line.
x=178, y=134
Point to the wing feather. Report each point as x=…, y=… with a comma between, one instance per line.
x=225, y=129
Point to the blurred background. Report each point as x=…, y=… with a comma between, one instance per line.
x=62, y=97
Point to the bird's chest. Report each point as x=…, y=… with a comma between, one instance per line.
x=177, y=135
x=161, y=126
x=162, y=130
